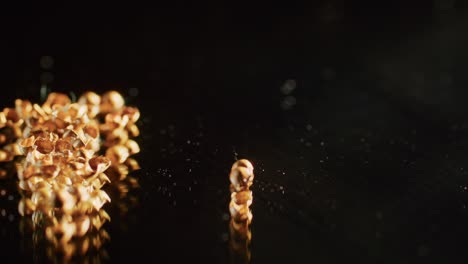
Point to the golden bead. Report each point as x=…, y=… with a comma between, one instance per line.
x=89, y=98
x=112, y=101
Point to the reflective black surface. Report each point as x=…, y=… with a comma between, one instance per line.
x=353, y=115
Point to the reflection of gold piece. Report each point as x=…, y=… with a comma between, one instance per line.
x=239, y=243
x=241, y=177
x=61, y=176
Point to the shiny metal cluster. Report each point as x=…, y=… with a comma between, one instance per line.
x=70, y=151
x=241, y=178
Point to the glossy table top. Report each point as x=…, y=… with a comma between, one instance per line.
x=353, y=115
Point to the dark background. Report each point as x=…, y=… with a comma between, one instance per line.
x=352, y=112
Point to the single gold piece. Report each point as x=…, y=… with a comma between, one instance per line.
x=241, y=177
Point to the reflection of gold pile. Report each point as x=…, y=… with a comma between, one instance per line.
x=47, y=236
x=61, y=176
x=241, y=178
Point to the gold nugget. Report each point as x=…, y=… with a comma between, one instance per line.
x=241, y=178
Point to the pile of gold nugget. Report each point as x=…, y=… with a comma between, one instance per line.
x=65, y=152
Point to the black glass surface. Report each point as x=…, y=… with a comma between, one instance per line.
x=353, y=114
